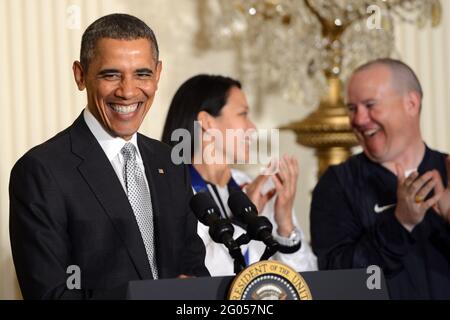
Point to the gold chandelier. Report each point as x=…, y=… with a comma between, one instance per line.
x=305, y=50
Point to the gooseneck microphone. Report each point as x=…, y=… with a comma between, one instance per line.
x=220, y=230
x=258, y=227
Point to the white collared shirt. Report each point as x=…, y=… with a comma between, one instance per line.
x=112, y=146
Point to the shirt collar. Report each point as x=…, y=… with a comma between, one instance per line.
x=110, y=145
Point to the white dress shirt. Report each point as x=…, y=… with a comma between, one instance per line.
x=112, y=146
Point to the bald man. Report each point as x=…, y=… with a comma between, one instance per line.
x=389, y=205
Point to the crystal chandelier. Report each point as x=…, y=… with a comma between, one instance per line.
x=282, y=45
x=306, y=49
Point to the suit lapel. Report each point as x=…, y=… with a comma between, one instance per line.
x=156, y=173
x=99, y=174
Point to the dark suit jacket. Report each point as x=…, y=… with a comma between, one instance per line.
x=68, y=207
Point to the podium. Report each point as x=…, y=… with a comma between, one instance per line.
x=324, y=285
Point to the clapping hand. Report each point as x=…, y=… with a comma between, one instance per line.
x=443, y=205
x=253, y=191
x=286, y=187
x=411, y=194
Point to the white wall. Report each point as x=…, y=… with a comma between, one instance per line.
x=38, y=96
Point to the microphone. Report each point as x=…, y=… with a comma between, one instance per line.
x=207, y=212
x=258, y=227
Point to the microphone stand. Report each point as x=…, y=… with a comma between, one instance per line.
x=236, y=253
x=270, y=251
x=239, y=261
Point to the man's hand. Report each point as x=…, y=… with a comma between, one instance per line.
x=443, y=204
x=286, y=186
x=411, y=193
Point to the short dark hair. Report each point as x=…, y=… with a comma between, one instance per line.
x=200, y=93
x=115, y=26
x=403, y=77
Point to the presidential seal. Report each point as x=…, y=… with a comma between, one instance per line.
x=269, y=280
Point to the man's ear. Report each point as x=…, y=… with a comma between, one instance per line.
x=413, y=102
x=79, y=75
x=158, y=72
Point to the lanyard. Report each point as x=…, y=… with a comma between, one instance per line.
x=200, y=185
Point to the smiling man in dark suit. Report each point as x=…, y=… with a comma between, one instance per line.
x=99, y=195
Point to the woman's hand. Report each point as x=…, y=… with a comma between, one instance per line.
x=253, y=191
x=286, y=187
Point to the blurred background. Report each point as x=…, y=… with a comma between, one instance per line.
x=39, y=40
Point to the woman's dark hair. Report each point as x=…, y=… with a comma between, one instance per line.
x=200, y=93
